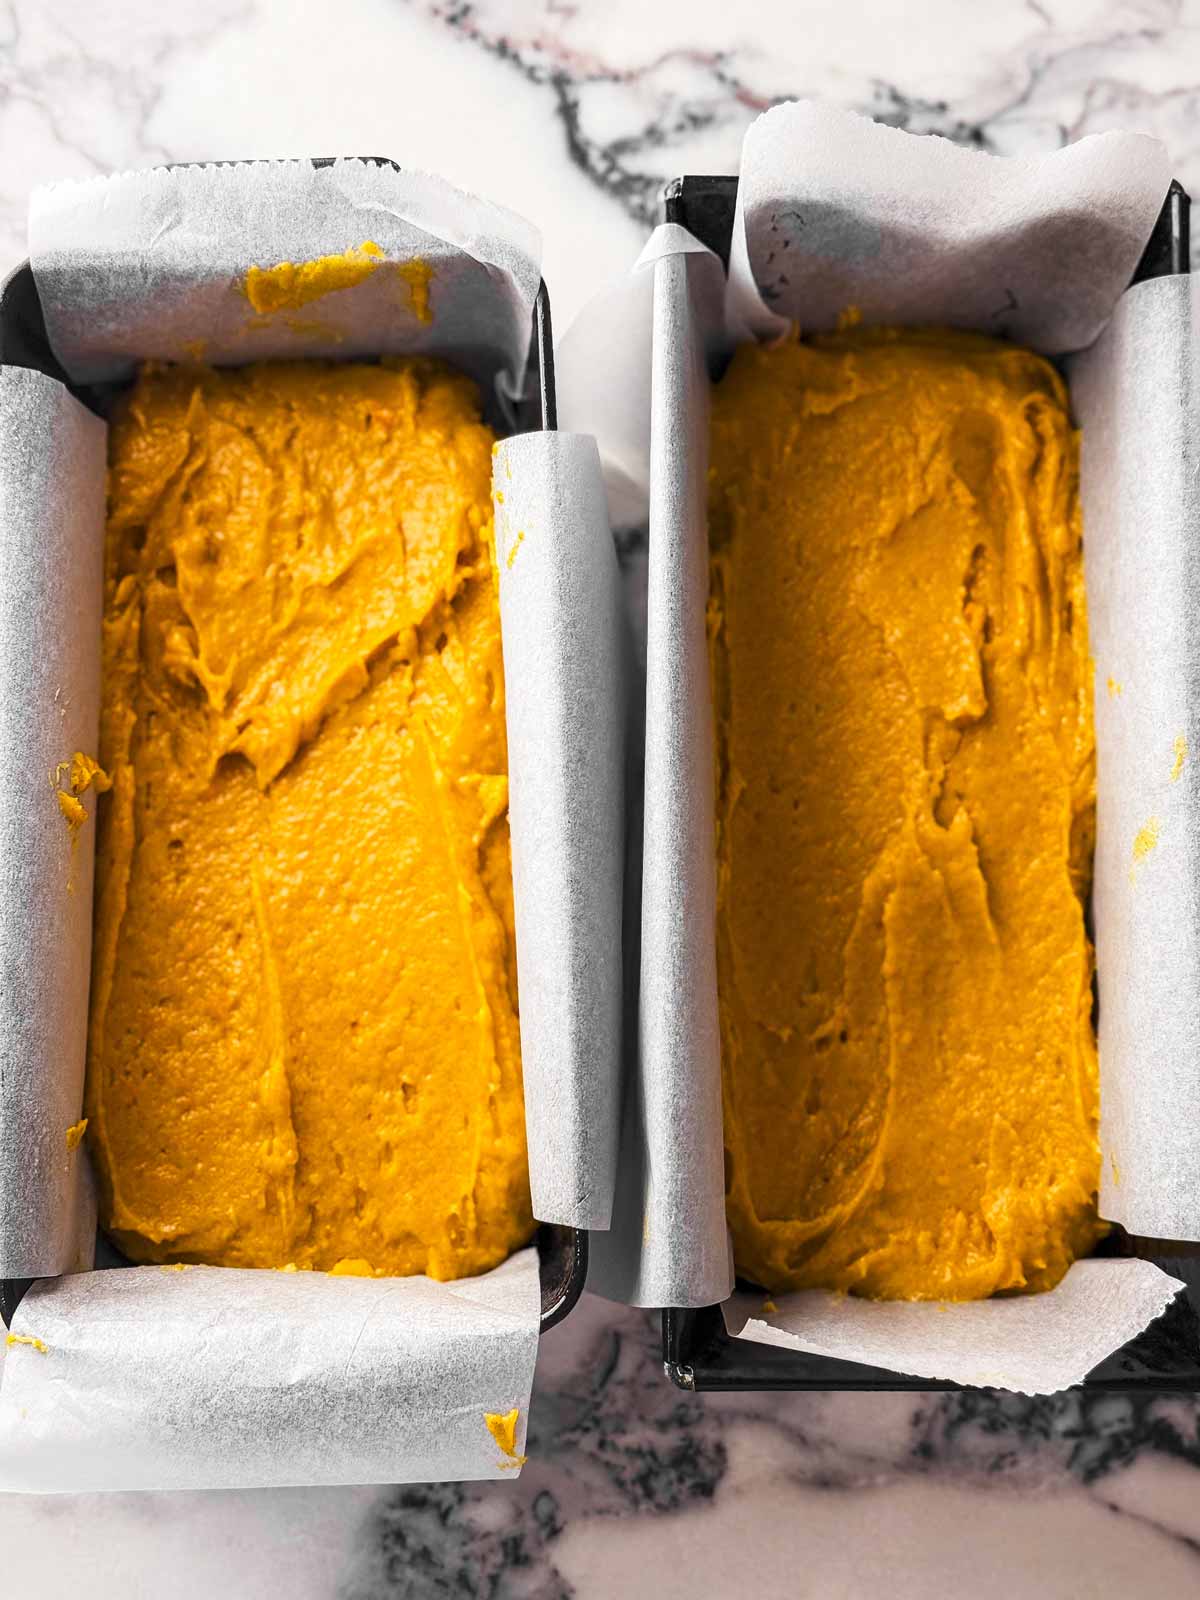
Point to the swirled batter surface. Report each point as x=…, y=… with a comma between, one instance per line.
x=905, y=816
x=304, y=1044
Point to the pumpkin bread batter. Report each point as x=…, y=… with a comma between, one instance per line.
x=304, y=1045
x=905, y=817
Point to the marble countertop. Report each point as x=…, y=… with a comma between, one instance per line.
x=575, y=112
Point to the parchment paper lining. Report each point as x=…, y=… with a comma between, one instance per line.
x=152, y=1379
x=215, y=1378
x=1136, y=398
x=908, y=229
x=51, y=506
x=152, y=266
x=565, y=694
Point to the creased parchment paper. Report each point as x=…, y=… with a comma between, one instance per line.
x=905, y=228
x=1033, y=1343
x=603, y=370
x=671, y=1160
x=213, y=1377
x=154, y=265
x=51, y=506
x=834, y=210
x=1136, y=397
x=155, y=1379
x=560, y=611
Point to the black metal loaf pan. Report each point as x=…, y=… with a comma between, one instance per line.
x=697, y=1351
x=562, y=1251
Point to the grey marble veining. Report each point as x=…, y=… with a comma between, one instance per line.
x=610, y=1441
x=575, y=113
x=636, y=1488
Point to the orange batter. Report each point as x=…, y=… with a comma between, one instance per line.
x=905, y=817
x=304, y=1043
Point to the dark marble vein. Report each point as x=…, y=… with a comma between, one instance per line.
x=1056, y=86
x=610, y=1437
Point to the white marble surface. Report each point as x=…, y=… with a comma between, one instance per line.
x=635, y=1489
x=575, y=111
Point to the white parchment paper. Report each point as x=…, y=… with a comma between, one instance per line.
x=213, y=1377
x=218, y=1377
x=564, y=673
x=1032, y=1343
x=907, y=229
x=604, y=368
x=671, y=1166
x=835, y=210
x=1136, y=397
x=52, y=462
x=152, y=265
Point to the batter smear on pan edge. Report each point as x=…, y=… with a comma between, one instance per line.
x=905, y=816
x=304, y=1044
